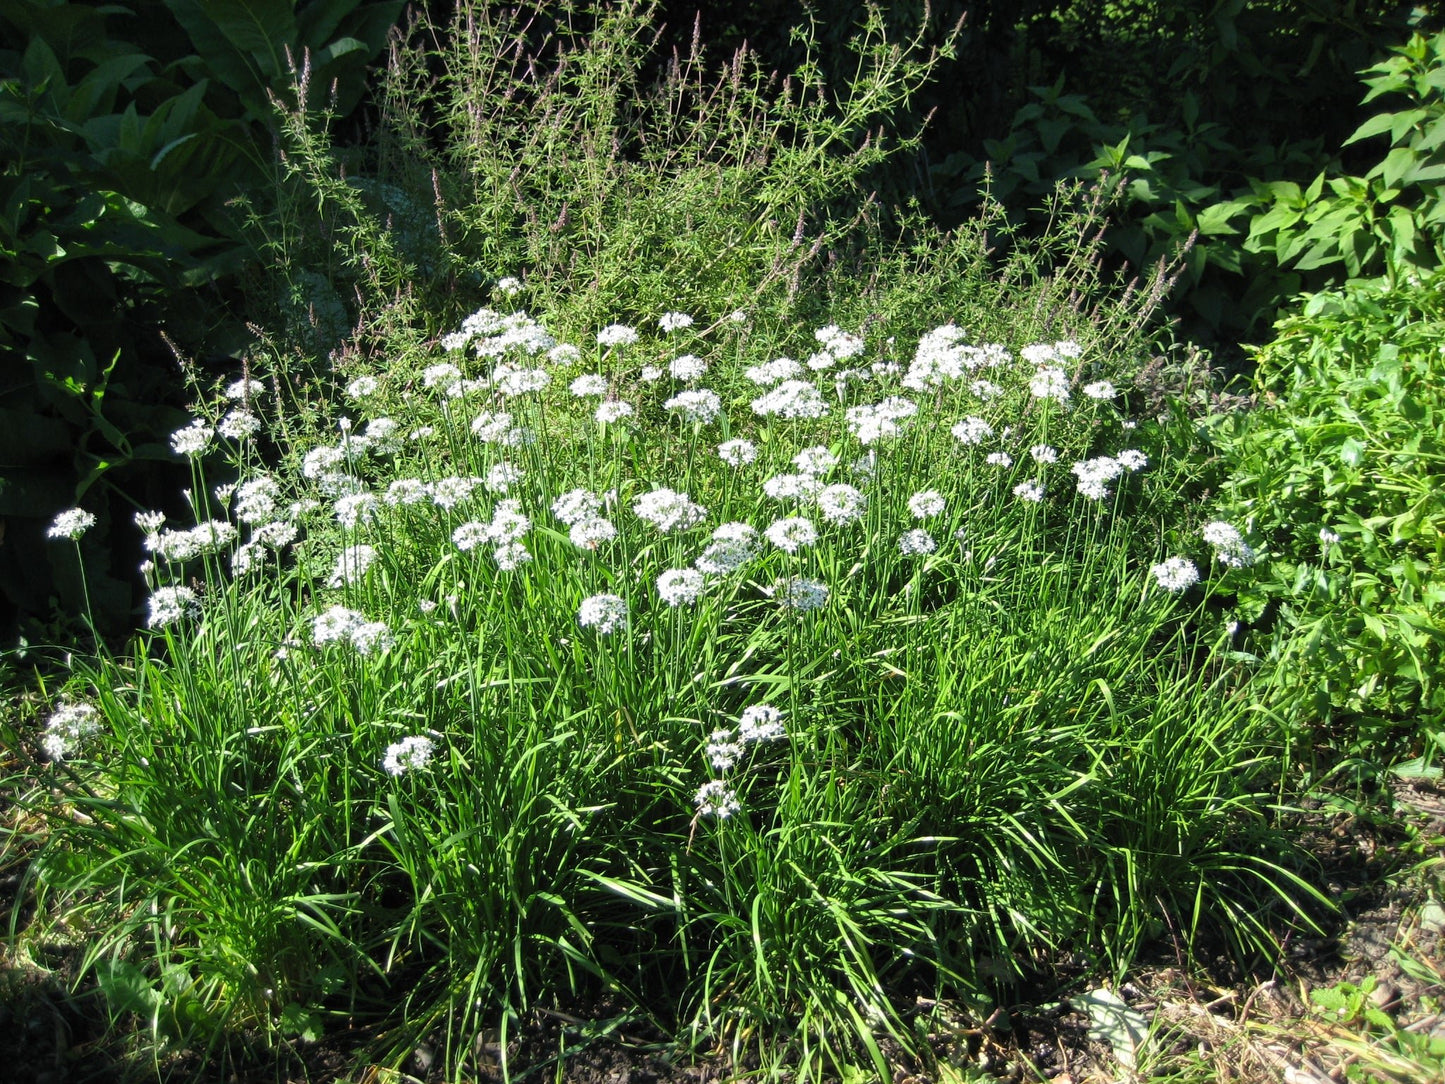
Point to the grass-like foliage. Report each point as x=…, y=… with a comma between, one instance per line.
x=757, y=693
x=561, y=657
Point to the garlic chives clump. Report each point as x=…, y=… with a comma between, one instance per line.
x=526, y=583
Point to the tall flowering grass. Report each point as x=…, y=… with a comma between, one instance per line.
x=756, y=619
x=766, y=700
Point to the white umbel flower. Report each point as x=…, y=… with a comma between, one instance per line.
x=408, y=755
x=1175, y=574
x=605, y=613
x=71, y=524
x=680, y=586
x=792, y=534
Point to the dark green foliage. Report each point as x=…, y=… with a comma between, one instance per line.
x=122, y=152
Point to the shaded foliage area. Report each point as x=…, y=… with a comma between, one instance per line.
x=137, y=144
x=1194, y=102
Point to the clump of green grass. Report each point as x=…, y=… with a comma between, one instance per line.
x=759, y=640
x=757, y=693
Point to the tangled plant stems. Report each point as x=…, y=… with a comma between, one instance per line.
x=763, y=712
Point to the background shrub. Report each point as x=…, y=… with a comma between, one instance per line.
x=1338, y=469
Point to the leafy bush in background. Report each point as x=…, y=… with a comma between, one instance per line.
x=1339, y=471
x=1189, y=98
x=124, y=140
x=1256, y=244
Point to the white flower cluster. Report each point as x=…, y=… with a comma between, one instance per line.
x=205, y=538
x=1175, y=574
x=773, y=372
x=841, y=503
x=71, y=524
x=1095, y=474
x=791, y=399
x=351, y=565
x=687, y=368
x=69, y=724
x=1230, y=548
x=737, y=453
x=725, y=747
x=492, y=334
x=411, y=754
x=880, y=421
x=668, y=510
x=733, y=545
x=700, y=406
x=605, y=613
x=617, y=335
x=169, y=605
x=340, y=625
